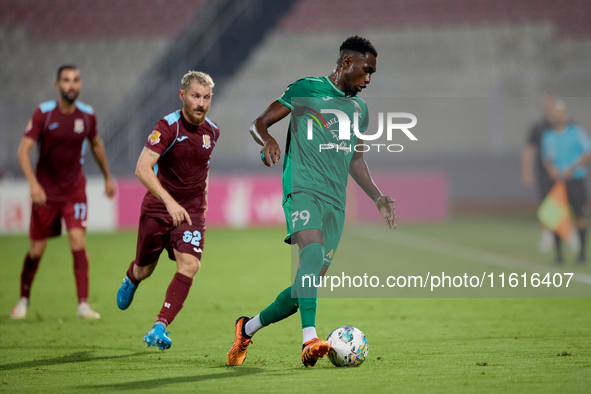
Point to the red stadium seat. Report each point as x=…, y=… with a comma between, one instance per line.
x=570, y=16
x=71, y=19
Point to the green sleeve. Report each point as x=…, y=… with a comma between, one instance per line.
x=299, y=88
x=364, y=116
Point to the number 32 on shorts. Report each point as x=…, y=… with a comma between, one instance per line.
x=303, y=215
x=194, y=238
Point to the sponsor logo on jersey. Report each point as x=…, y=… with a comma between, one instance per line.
x=206, y=141
x=29, y=126
x=338, y=147
x=326, y=98
x=78, y=126
x=53, y=126
x=154, y=138
x=181, y=139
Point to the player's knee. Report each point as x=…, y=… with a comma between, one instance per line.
x=37, y=248
x=189, y=267
x=307, y=237
x=77, y=241
x=77, y=246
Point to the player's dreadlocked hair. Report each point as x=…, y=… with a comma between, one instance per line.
x=358, y=44
x=196, y=76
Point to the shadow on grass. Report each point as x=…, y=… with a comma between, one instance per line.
x=158, y=383
x=72, y=358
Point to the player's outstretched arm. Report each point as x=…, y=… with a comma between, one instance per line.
x=100, y=156
x=360, y=174
x=270, y=154
x=38, y=196
x=144, y=171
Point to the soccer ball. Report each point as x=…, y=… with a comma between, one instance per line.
x=348, y=347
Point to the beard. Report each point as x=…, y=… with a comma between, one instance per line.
x=69, y=99
x=350, y=89
x=196, y=119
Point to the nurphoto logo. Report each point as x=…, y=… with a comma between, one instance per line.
x=348, y=128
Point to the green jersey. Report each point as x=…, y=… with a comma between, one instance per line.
x=316, y=157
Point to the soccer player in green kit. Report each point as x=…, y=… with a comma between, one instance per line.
x=315, y=173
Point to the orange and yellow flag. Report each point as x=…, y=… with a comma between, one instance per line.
x=554, y=211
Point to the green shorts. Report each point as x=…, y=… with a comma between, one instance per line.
x=303, y=211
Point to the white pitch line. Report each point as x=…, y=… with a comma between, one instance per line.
x=425, y=243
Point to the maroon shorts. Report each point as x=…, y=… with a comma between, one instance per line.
x=46, y=220
x=156, y=234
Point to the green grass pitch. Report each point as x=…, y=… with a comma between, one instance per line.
x=416, y=345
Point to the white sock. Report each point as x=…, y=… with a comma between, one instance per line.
x=309, y=333
x=253, y=325
x=160, y=322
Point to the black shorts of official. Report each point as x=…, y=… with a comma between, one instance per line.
x=544, y=184
x=577, y=196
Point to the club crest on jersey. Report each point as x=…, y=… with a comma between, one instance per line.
x=79, y=126
x=206, y=141
x=154, y=138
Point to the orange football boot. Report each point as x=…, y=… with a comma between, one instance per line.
x=313, y=350
x=237, y=352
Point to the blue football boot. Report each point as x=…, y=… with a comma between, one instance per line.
x=125, y=294
x=158, y=337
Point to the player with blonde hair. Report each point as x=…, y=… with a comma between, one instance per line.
x=174, y=167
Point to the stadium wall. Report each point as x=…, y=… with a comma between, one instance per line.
x=235, y=202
